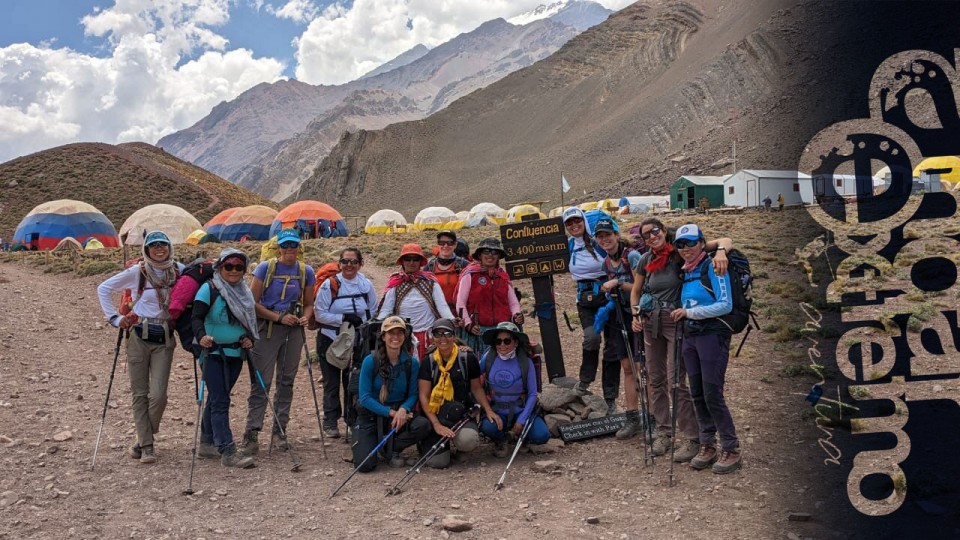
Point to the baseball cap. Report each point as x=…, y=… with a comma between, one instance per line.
x=604, y=225
x=444, y=324
x=391, y=322
x=449, y=234
x=288, y=235
x=572, y=213
x=689, y=232
x=156, y=237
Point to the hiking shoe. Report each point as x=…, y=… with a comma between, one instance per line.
x=135, y=452
x=208, y=451
x=728, y=462
x=661, y=445
x=331, y=433
x=686, y=450
x=705, y=457
x=611, y=406
x=232, y=458
x=581, y=388
x=630, y=428
x=280, y=441
x=148, y=456
x=397, y=461
x=349, y=437
x=250, y=446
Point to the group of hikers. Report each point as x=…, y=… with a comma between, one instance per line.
x=439, y=356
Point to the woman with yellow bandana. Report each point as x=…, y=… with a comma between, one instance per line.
x=449, y=385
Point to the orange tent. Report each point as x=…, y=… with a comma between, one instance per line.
x=313, y=216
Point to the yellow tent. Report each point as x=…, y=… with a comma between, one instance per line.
x=558, y=211
x=609, y=205
x=194, y=237
x=941, y=162
x=515, y=214
x=385, y=222
x=174, y=221
x=92, y=244
x=589, y=205
x=436, y=218
x=492, y=211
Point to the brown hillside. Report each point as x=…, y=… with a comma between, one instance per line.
x=118, y=180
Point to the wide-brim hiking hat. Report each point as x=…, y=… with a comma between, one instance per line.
x=411, y=249
x=490, y=336
x=288, y=235
x=449, y=234
x=231, y=253
x=156, y=237
x=688, y=232
x=489, y=243
x=340, y=352
x=391, y=322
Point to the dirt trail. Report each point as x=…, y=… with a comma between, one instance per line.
x=55, y=357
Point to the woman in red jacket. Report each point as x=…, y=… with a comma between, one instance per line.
x=485, y=294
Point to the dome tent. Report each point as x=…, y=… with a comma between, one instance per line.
x=68, y=244
x=940, y=162
x=91, y=244
x=515, y=214
x=253, y=221
x=436, y=218
x=608, y=205
x=492, y=211
x=587, y=206
x=174, y=221
x=49, y=223
x=215, y=225
x=195, y=237
x=558, y=211
x=385, y=221
x=314, y=219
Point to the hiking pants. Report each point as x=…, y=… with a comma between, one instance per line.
x=334, y=381
x=220, y=375
x=659, y=338
x=706, y=358
x=367, y=438
x=610, y=378
x=281, y=352
x=148, y=365
x=539, y=432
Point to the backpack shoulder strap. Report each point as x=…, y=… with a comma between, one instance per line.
x=302, y=274
x=705, y=275
x=524, y=367
x=271, y=270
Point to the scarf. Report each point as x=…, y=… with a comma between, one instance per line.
x=397, y=278
x=446, y=262
x=659, y=259
x=476, y=268
x=161, y=276
x=443, y=391
x=239, y=301
x=690, y=266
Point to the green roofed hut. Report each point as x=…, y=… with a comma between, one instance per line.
x=687, y=191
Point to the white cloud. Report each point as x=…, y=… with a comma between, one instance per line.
x=143, y=90
x=298, y=11
x=344, y=43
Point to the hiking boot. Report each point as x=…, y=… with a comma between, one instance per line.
x=148, y=456
x=611, y=406
x=397, y=461
x=661, y=445
x=280, y=442
x=728, y=462
x=499, y=449
x=208, y=451
x=232, y=458
x=331, y=433
x=705, y=457
x=250, y=446
x=686, y=450
x=631, y=427
x=581, y=388
x=135, y=452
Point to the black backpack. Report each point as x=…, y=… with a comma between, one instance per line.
x=364, y=344
x=199, y=271
x=741, y=293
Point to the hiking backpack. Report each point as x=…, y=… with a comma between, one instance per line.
x=200, y=271
x=365, y=343
x=526, y=357
x=741, y=294
x=325, y=272
x=272, y=270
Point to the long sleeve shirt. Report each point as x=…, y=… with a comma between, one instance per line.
x=357, y=296
x=466, y=281
x=403, y=391
x=416, y=308
x=698, y=301
x=506, y=380
x=147, y=306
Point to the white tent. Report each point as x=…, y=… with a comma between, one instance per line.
x=492, y=211
x=385, y=221
x=436, y=218
x=174, y=221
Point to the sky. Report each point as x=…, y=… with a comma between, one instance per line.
x=135, y=70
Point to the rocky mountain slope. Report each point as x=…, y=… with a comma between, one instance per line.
x=401, y=60
x=118, y=180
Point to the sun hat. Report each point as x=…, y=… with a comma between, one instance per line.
x=490, y=336
x=489, y=243
x=391, y=322
x=156, y=237
x=411, y=249
x=288, y=235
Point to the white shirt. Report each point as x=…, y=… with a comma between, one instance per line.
x=582, y=264
x=416, y=308
x=146, y=307
x=330, y=313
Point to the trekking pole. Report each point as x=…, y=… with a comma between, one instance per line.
x=313, y=388
x=106, y=401
x=516, y=449
x=372, y=453
x=196, y=433
x=276, y=420
x=677, y=358
x=641, y=390
x=434, y=450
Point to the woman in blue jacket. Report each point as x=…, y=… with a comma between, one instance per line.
x=706, y=351
x=388, y=391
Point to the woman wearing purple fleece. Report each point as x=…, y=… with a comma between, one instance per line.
x=505, y=363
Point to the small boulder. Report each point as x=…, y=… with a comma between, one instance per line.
x=554, y=398
x=554, y=421
x=456, y=523
x=63, y=436
x=564, y=382
x=547, y=466
x=594, y=403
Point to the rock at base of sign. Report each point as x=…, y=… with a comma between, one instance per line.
x=594, y=403
x=555, y=398
x=456, y=523
x=554, y=421
x=564, y=382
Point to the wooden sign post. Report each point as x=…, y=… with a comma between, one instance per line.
x=537, y=249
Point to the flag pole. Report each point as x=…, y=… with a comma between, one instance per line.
x=561, y=191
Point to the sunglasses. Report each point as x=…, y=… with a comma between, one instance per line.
x=651, y=233
x=411, y=258
x=234, y=267
x=289, y=245
x=349, y=261
x=503, y=341
x=685, y=243
x=442, y=334
x=489, y=252
x=159, y=245
x=446, y=243
x=573, y=221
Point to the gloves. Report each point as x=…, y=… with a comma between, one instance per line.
x=353, y=319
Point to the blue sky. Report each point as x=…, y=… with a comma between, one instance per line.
x=135, y=70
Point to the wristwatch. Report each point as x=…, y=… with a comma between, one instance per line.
x=721, y=248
